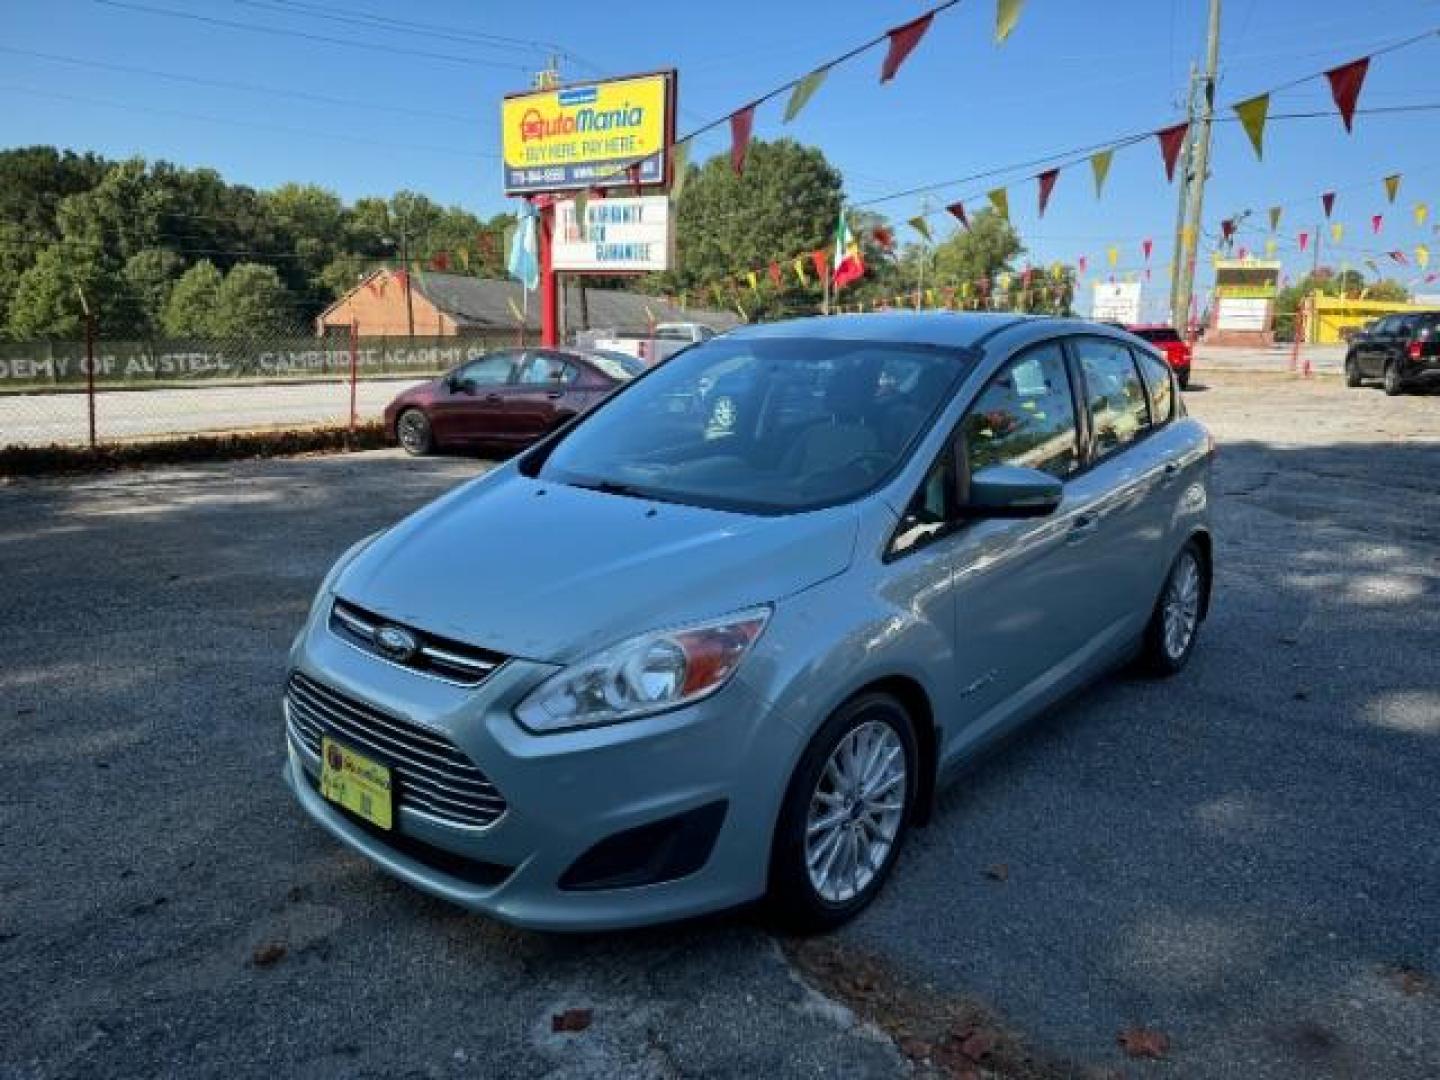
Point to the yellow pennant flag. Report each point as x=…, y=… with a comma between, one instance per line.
x=1252, y=113
x=515, y=310
x=1422, y=256
x=1187, y=236
x=1337, y=232
x=965, y=290
x=1421, y=213
x=921, y=226
x=930, y=297
x=464, y=254
x=1000, y=200
x=1112, y=253
x=803, y=92
x=1392, y=187
x=1007, y=14
x=754, y=282
x=1269, y=247
x=799, y=265
x=1100, y=166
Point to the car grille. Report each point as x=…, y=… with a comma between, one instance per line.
x=452, y=661
x=432, y=775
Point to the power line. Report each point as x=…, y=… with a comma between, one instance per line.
x=258, y=28
x=418, y=29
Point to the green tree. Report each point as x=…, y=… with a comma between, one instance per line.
x=252, y=302
x=190, y=310
x=150, y=276
x=982, y=252
x=47, y=303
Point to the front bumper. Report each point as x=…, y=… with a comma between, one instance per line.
x=564, y=793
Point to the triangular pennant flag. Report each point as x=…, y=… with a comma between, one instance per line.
x=1007, y=14
x=1422, y=211
x=1000, y=201
x=464, y=256
x=1244, y=253
x=1376, y=220
x=1112, y=254
x=515, y=309
x=679, y=171
x=883, y=236
x=1422, y=256
x=1337, y=232
x=1145, y=246
x=1274, y=218
x=958, y=210
x=1227, y=228
x=1081, y=262
x=775, y=274
x=1047, y=184
x=1171, y=140
x=803, y=92
x=1399, y=257
x=1187, y=236
x=1100, y=167
x=903, y=40
x=799, y=265
x=753, y=280
x=921, y=226
x=1269, y=247
x=1345, y=83
x=1304, y=239
x=1252, y=113
x=741, y=123
x=1392, y=187
x=1327, y=201
x=820, y=259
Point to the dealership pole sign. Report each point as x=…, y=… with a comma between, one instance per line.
x=629, y=235
x=589, y=135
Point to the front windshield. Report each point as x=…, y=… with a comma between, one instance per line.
x=762, y=424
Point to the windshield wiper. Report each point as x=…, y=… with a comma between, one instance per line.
x=613, y=487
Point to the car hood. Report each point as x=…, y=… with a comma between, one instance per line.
x=548, y=572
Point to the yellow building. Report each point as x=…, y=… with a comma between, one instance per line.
x=1326, y=317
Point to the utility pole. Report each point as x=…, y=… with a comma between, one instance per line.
x=1193, y=194
x=405, y=267
x=1182, y=204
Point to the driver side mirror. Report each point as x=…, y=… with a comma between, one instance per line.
x=1011, y=491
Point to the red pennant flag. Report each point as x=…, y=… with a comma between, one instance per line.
x=1328, y=202
x=775, y=274
x=740, y=124
x=1047, y=184
x=1304, y=239
x=1146, y=246
x=1244, y=253
x=440, y=261
x=820, y=259
x=1227, y=228
x=883, y=236
x=903, y=40
x=1171, y=140
x=958, y=209
x=1399, y=257
x=402, y=278
x=1375, y=222
x=1081, y=263
x=1345, y=83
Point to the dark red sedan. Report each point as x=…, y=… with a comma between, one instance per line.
x=509, y=397
x=1168, y=341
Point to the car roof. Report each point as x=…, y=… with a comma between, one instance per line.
x=963, y=329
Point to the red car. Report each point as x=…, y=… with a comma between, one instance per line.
x=510, y=397
x=1175, y=348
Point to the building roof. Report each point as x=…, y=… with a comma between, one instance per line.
x=485, y=304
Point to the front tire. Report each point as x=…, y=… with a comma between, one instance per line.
x=1183, y=378
x=1175, y=623
x=1394, y=384
x=845, y=816
x=412, y=430
x=1352, y=372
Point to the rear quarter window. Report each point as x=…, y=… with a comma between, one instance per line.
x=1161, y=385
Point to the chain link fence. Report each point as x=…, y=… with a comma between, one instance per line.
x=104, y=391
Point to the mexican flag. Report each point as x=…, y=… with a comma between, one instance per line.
x=848, y=263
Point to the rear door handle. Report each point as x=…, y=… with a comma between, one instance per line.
x=554, y=395
x=492, y=397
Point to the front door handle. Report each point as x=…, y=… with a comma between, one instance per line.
x=492, y=398
x=1082, y=528
x=1168, y=474
x=555, y=395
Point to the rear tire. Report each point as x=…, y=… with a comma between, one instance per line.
x=1175, y=623
x=1183, y=378
x=845, y=816
x=1394, y=384
x=412, y=430
x=1352, y=372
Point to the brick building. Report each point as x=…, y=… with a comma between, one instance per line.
x=447, y=305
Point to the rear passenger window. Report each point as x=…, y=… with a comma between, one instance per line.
x=1119, y=409
x=1162, y=390
x=1026, y=416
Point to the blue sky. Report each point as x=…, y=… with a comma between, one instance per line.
x=1071, y=74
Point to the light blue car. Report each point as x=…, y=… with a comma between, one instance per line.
x=725, y=636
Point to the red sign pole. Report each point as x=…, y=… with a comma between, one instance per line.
x=549, y=294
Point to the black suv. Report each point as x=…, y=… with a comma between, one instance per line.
x=1400, y=349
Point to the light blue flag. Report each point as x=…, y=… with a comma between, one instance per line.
x=524, y=265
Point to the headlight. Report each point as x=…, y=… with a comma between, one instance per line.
x=647, y=674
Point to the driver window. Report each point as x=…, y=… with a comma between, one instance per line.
x=491, y=370
x=1026, y=416
x=545, y=369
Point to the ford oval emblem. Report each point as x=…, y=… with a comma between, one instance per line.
x=397, y=644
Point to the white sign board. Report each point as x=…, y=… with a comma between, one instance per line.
x=1116, y=302
x=622, y=236
x=1241, y=313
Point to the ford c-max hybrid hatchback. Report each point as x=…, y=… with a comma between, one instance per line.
x=723, y=637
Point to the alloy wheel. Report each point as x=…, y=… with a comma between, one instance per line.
x=855, y=812
x=412, y=432
x=1181, y=607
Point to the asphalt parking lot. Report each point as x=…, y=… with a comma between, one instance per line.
x=1243, y=859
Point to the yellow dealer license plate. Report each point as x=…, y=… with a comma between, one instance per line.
x=357, y=783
